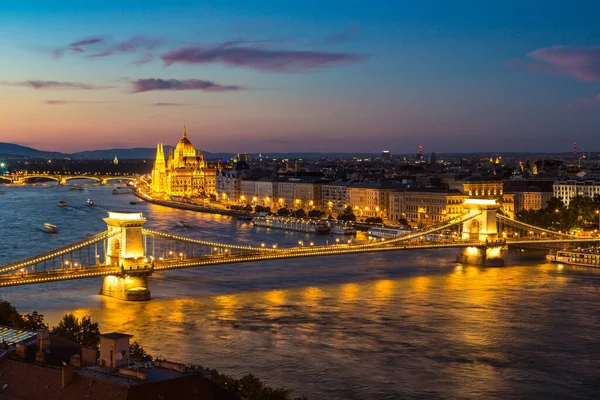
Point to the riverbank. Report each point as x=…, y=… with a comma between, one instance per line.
x=191, y=207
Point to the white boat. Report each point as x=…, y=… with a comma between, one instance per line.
x=48, y=227
x=292, y=224
x=388, y=233
x=342, y=229
x=580, y=257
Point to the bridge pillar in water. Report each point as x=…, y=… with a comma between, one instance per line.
x=125, y=252
x=484, y=228
x=487, y=255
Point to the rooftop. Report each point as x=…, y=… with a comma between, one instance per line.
x=115, y=335
x=11, y=336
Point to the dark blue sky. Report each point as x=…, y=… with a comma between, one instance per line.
x=311, y=75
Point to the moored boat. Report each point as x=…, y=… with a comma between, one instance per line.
x=342, y=229
x=62, y=203
x=90, y=202
x=388, y=232
x=292, y=224
x=50, y=228
x=133, y=203
x=582, y=257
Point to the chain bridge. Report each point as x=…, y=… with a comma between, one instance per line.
x=63, y=179
x=126, y=254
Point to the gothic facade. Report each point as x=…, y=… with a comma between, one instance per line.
x=184, y=174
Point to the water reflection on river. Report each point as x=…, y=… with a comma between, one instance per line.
x=404, y=325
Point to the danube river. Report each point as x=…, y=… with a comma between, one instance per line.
x=372, y=326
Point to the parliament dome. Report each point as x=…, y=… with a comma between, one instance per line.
x=184, y=147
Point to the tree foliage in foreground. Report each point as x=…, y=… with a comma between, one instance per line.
x=84, y=332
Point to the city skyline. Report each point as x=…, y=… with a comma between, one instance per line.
x=339, y=77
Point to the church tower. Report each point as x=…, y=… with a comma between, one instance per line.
x=159, y=171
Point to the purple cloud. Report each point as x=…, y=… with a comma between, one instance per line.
x=62, y=102
x=54, y=85
x=259, y=58
x=133, y=45
x=104, y=49
x=589, y=102
x=168, y=104
x=579, y=62
x=146, y=85
x=86, y=42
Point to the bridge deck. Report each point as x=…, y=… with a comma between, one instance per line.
x=207, y=260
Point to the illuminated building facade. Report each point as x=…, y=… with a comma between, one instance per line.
x=566, y=190
x=426, y=205
x=185, y=174
x=369, y=199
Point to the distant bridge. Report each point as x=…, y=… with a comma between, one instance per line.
x=62, y=179
x=126, y=253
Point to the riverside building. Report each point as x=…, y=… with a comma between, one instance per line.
x=184, y=174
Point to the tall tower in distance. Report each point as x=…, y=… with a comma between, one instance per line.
x=574, y=149
x=159, y=170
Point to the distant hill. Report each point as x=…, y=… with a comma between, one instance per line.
x=138, y=153
x=12, y=150
x=16, y=150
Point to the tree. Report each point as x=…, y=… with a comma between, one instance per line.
x=347, y=215
x=137, y=351
x=315, y=214
x=283, y=212
x=9, y=315
x=86, y=332
x=300, y=213
x=33, y=321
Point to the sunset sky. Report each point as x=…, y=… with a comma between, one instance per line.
x=344, y=76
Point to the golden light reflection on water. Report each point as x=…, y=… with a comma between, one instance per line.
x=275, y=297
x=421, y=283
x=312, y=295
x=225, y=304
x=384, y=290
x=349, y=291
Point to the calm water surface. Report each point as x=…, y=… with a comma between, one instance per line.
x=373, y=326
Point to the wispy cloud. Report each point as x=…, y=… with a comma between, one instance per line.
x=133, y=45
x=169, y=104
x=146, y=85
x=579, y=62
x=86, y=42
x=259, y=58
x=586, y=102
x=62, y=102
x=34, y=84
x=77, y=46
x=100, y=47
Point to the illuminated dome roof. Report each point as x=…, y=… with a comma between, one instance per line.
x=184, y=148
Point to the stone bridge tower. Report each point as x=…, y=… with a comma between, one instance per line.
x=125, y=252
x=483, y=228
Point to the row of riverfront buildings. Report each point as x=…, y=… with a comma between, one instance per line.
x=185, y=173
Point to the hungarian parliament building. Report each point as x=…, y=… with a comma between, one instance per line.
x=184, y=173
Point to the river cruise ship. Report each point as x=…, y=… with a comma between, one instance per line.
x=340, y=228
x=292, y=224
x=388, y=233
x=583, y=257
